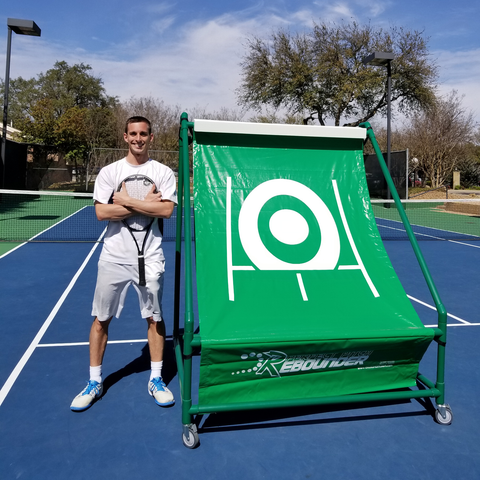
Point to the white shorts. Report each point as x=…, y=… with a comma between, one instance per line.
x=113, y=281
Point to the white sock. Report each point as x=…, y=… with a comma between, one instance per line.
x=156, y=369
x=96, y=374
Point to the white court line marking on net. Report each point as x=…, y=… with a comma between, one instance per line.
x=28, y=353
x=433, y=308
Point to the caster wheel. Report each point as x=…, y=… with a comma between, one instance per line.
x=446, y=418
x=190, y=436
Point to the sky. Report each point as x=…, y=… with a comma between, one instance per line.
x=188, y=53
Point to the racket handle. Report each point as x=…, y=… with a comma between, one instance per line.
x=141, y=270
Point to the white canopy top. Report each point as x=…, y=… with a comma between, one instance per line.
x=250, y=128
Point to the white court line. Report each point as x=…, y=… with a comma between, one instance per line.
x=463, y=323
x=86, y=344
x=429, y=236
x=463, y=243
x=28, y=353
x=458, y=325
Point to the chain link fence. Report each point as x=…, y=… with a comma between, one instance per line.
x=101, y=157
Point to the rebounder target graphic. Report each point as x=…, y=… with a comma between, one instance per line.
x=288, y=227
x=284, y=225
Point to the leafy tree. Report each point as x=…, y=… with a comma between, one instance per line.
x=21, y=94
x=72, y=86
x=62, y=108
x=39, y=125
x=320, y=74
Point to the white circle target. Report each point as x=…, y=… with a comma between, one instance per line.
x=297, y=231
x=328, y=253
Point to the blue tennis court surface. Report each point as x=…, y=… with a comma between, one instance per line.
x=395, y=229
x=46, y=293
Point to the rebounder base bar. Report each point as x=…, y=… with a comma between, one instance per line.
x=389, y=396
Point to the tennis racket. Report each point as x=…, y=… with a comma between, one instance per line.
x=138, y=186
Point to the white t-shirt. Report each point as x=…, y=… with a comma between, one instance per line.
x=119, y=246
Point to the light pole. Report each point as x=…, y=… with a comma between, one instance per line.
x=384, y=59
x=20, y=27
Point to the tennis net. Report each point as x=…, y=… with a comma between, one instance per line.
x=49, y=216
x=453, y=219
x=70, y=217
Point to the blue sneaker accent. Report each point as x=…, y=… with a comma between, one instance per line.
x=159, y=391
x=87, y=396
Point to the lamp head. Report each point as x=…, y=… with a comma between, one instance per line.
x=24, y=27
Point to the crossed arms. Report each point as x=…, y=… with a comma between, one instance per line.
x=124, y=206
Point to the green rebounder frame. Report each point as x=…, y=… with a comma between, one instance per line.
x=298, y=303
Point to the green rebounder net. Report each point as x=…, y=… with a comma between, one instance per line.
x=297, y=297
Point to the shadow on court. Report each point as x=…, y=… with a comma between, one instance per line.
x=283, y=417
x=142, y=364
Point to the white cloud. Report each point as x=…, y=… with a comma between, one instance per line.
x=460, y=71
x=459, y=64
x=161, y=25
x=202, y=69
x=160, y=8
x=304, y=18
x=341, y=11
x=374, y=8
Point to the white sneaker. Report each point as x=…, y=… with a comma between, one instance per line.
x=159, y=391
x=87, y=396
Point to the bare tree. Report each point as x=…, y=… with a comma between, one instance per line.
x=165, y=120
x=439, y=137
x=224, y=113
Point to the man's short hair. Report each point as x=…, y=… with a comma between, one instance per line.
x=138, y=119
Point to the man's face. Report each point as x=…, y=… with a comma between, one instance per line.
x=138, y=138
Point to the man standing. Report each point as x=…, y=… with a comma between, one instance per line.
x=118, y=267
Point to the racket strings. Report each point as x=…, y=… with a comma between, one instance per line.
x=138, y=188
